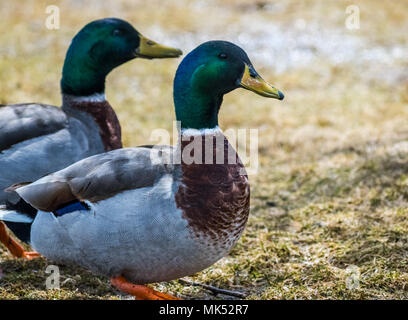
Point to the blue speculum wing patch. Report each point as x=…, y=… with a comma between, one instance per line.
x=75, y=206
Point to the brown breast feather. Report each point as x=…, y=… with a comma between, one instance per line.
x=214, y=197
x=105, y=117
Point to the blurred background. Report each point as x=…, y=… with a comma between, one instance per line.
x=330, y=197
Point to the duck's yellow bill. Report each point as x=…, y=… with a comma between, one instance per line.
x=150, y=49
x=251, y=80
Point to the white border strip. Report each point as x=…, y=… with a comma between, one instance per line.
x=200, y=132
x=96, y=97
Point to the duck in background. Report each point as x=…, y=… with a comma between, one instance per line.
x=132, y=215
x=38, y=139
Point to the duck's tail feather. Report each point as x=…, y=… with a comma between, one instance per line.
x=18, y=217
x=14, y=216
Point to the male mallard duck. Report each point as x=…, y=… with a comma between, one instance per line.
x=37, y=139
x=130, y=215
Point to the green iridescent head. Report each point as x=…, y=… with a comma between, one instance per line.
x=207, y=73
x=101, y=46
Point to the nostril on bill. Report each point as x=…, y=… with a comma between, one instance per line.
x=252, y=72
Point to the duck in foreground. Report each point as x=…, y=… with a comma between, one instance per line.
x=134, y=216
x=38, y=139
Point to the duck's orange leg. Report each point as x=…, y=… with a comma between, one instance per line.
x=138, y=291
x=13, y=246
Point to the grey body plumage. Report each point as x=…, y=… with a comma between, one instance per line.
x=39, y=139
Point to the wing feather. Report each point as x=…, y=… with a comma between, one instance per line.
x=20, y=122
x=97, y=178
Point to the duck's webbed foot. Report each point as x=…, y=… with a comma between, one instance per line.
x=140, y=292
x=13, y=246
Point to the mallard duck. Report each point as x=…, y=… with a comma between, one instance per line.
x=37, y=139
x=137, y=215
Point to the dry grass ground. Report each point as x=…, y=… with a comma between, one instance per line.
x=331, y=190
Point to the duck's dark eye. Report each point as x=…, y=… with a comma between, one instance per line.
x=117, y=32
x=222, y=56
